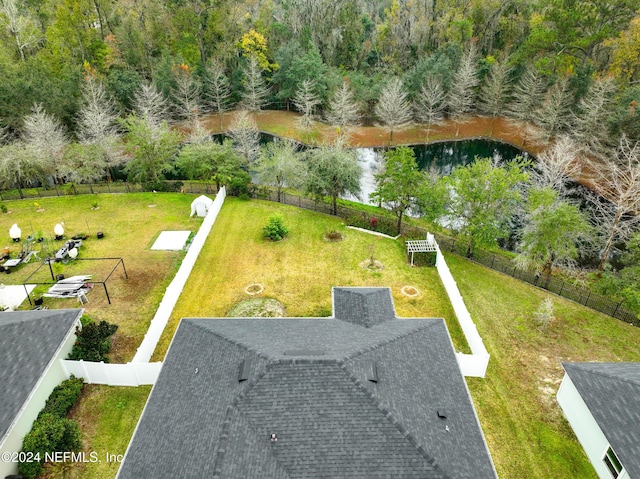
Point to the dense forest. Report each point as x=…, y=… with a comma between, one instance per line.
x=565, y=46
x=89, y=85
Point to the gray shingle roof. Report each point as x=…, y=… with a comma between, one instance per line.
x=364, y=306
x=308, y=384
x=28, y=343
x=611, y=391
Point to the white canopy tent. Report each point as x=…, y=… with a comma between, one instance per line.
x=201, y=205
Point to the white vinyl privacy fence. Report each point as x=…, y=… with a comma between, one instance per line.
x=474, y=364
x=140, y=370
x=173, y=291
x=129, y=374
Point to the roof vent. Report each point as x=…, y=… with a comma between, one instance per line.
x=245, y=369
x=371, y=371
x=442, y=413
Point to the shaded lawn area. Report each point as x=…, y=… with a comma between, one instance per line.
x=300, y=270
x=524, y=426
x=107, y=416
x=130, y=227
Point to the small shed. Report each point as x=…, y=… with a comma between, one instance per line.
x=201, y=205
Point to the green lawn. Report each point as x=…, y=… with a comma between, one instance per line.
x=526, y=432
x=130, y=224
x=524, y=426
x=299, y=271
x=108, y=416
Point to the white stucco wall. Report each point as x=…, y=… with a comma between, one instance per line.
x=54, y=374
x=585, y=427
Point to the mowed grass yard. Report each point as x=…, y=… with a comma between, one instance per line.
x=526, y=432
x=524, y=426
x=300, y=270
x=130, y=223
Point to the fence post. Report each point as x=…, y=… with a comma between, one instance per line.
x=616, y=310
x=586, y=301
x=561, y=288
x=493, y=259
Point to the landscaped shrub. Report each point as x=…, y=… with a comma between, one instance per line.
x=275, y=229
x=239, y=184
x=3, y=208
x=93, y=341
x=49, y=433
x=545, y=315
x=63, y=397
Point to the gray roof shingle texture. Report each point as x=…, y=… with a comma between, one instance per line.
x=330, y=421
x=611, y=391
x=28, y=343
x=364, y=306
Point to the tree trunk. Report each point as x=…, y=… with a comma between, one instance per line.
x=400, y=221
x=606, y=251
x=335, y=205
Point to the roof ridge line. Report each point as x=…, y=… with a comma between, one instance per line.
x=608, y=375
x=231, y=341
x=224, y=437
x=394, y=421
x=389, y=340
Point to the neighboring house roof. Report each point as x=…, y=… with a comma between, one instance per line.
x=29, y=341
x=308, y=383
x=611, y=391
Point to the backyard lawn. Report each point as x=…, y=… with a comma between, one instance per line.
x=526, y=432
x=300, y=270
x=130, y=224
x=524, y=426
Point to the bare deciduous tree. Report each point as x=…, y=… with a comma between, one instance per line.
x=553, y=116
x=527, y=95
x=97, y=126
x=594, y=110
x=393, y=107
x=557, y=165
x=495, y=93
x=18, y=167
x=430, y=103
x=306, y=101
x=217, y=90
x=245, y=135
x=44, y=136
x=186, y=94
x=343, y=110
x=151, y=106
x=462, y=94
x=618, y=179
x=527, y=98
x=255, y=90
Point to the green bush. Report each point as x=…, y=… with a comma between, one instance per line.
x=49, y=433
x=275, y=229
x=239, y=184
x=3, y=208
x=63, y=397
x=93, y=342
